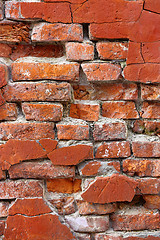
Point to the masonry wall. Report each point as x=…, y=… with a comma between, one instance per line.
x=80, y=120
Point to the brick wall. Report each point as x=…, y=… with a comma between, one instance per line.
x=80, y=120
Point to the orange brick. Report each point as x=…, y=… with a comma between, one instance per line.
x=152, y=5
x=150, y=110
x=8, y=111
x=101, y=71
x=106, y=91
x=79, y=51
x=64, y=185
x=70, y=131
x=46, y=32
x=125, y=110
x=37, y=92
x=146, y=149
x=150, y=52
x=53, y=12
x=45, y=70
x=113, y=150
x=26, y=131
x=12, y=32
x=112, y=50
x=3, y=75
x=88, y=112
x=42, y=112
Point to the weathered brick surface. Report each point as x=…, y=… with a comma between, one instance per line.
x=35, y=71
x=26, y=131
x=80, y=120
x=37, y=92
x=42, y=112
x=124, y=110
x=45, y=32
x=101, y=71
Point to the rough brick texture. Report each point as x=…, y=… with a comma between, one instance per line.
x=80, y=120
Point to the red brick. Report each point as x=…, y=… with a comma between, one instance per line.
x=20, y=189
x=152, y=201
x=64, y=185
x=152, y=127
x=2, y=100
x=64, y=205
x=4, y=209
x=112, y=50
x=152, y=5
x=45, y=70
x=106, y=91
x=12, y=32
x=138, y=220
x=86, y=208
x=18, y=51
x=37, y=92
x=79, y=51
x=2, y=227
x=146, y=28
x=150, y=110
x=71, y=155
x=142, y=167
x=112, y=30
x=127, y=236
x=151, y=52
x=113, y=150
x=42, y=112
x=146, y=149
x=125, y=110
x=46, y=32
x=101, y=71
x=145, y=73
x=40, y=170
x=88, y=224
x=48, y=144
x=29, y=207
x=94, y=168
x=15, y=151
x=3, y=75
x=148, y=186
x=109, y=131
x=2, y=174
x=110, y=189
x=26, y=131
x=134, y=53
x=87, y=112
x=150, y=92
x=8, y=111
x=1, y=11
x=53, y=12
x=92, y=11
x=48, y=226
x=5, y=50
x=66, y=131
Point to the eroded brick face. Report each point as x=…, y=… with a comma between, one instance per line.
x=80, y=120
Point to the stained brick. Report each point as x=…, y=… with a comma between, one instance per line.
x=79, y=51
x=8, y=111
x=150, y=92
x=3, y=75
x=150, y=110
x=101, y=71
x=113, y=150
x=88, y=112
x=121, y=109
x=26, y=131
x=112, y=50
x=42, y=112
x=37, y=92
x=45, y=70
x=40, y=170
x=146, y=149
x=47, y=32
